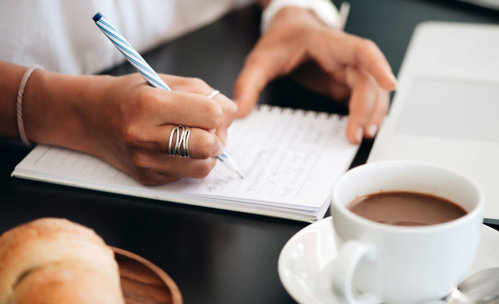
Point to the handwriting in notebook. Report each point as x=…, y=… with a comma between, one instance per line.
x=276, y=158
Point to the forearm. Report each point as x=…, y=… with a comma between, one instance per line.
x=10, y=77
x=54, y=106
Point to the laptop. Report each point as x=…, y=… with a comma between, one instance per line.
x=446, y=107
x=492, y=4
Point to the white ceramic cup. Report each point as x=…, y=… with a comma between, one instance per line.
x=403, y=264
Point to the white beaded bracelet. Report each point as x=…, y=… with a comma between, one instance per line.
x=19, y=104
x=324, y=9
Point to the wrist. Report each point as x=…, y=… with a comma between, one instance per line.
x=296, y=15
x=53, y=109
x=323, y=10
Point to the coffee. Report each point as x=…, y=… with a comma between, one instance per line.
x=406, y=208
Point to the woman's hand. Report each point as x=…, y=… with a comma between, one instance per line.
x=329, y=61
x=127, y=123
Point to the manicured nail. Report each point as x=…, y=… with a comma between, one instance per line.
x=394, y=80
x=358, y=135
x=371, y=131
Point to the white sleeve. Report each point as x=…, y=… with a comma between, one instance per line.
x=324, y=9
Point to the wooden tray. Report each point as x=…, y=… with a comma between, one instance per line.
x=143, y=282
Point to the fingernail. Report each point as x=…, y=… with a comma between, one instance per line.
x=219, y=148
x=394, y=79
x=371, y=131
x=358, y=135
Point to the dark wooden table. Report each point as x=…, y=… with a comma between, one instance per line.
x=216, y=256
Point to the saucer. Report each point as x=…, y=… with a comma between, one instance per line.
x=305, y=261
x=143, y=282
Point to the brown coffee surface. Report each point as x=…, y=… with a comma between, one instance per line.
x=406, y=208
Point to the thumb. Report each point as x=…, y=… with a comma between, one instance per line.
x=257, y=72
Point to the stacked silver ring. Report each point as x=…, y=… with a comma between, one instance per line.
x=181, y=147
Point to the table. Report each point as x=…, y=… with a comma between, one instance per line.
x=216, y=256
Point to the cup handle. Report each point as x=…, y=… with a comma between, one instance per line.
x=344, y=268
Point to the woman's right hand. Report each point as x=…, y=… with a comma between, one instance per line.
x=127, y=123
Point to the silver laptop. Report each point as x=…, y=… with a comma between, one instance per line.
x=446, y=107
x=492, y=4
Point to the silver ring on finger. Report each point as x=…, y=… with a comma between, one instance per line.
x=180, y=135
x=213, y=94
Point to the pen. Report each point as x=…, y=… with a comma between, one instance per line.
x=149, y=74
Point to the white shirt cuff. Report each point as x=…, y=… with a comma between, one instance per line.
x=324, y=9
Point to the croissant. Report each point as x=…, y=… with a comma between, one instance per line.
x=53, y=261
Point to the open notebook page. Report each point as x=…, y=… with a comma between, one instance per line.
x=290, y=160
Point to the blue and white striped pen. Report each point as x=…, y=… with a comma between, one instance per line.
x=145, y=69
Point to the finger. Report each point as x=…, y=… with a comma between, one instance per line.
x=339, y=91
x=260, y=68
x=174, y=169
x=249, y=85
x=230, y=113
x=171, y=107
x=361, y=103
x=229, y=109
x=353, y=50
x=192, y=85
x=151, y=177
x=221, y=133
x=378, y=113
x=198, y=86
x=201, y=144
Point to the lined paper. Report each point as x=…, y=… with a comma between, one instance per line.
x=290, y=159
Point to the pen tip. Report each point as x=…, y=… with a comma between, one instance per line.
x=240, y=174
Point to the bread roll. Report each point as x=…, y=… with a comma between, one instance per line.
x=52, y=260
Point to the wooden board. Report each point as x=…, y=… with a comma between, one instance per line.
x=143, y=282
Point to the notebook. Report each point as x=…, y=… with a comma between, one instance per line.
x=446, y=107
x=290, y=159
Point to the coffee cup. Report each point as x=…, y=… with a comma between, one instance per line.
x=380, y=262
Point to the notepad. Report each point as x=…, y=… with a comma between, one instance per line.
x=290, y=158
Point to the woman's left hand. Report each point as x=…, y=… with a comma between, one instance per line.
x=326, y=60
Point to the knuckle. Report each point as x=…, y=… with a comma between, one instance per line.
x=364, y=47
x=366, y=44
x=359, y=46
x=145, y=101
x=213, y=113
x=207, y=145
x=199, y=86
x=197, y=81
x=358, y=110
x=131, y=136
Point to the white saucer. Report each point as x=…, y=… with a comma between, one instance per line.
x=304, y=262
